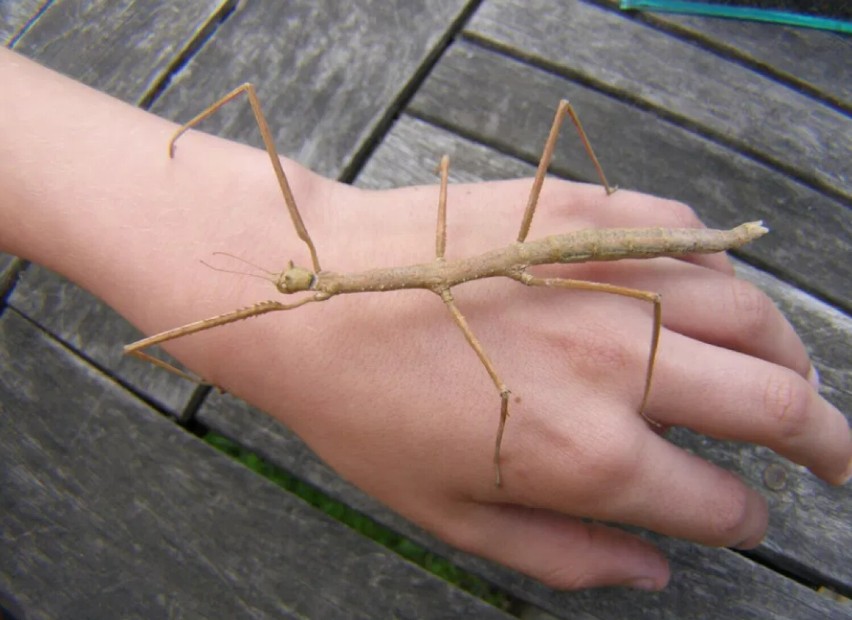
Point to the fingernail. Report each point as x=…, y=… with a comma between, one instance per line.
x=813, y=377
x=848, y=475
x=643, y=583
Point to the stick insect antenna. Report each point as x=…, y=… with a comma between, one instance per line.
x=239, y=273
x=242, y=260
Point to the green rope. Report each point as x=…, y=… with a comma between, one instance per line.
x=740, y=12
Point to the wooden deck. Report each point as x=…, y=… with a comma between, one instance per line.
x=742, y=121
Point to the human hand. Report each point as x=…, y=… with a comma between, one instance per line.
x=392, y=396
x=384, y=386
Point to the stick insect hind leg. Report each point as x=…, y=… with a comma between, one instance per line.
x=566, y=109
x=565, y=283
x=562, y=110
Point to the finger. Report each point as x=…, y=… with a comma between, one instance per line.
x=562, y=552
x=714, y=308
x=626, y=209
x=734, y=396
x=614, y=468
x=679, y=494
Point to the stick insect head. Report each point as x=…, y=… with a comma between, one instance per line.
x=294, y=279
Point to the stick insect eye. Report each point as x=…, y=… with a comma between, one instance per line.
x=296, y=279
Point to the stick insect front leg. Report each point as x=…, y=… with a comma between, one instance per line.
x=137, y=348
x=291, y=280
x=266, y=135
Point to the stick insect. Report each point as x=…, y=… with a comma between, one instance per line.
x=441, y=275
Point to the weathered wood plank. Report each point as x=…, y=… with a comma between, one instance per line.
x=328, y=77
x=89, y=326
x=111, y=511
x=124, y=48
x=11, y=268
x=724, y=99
x=411, y=151
x=743, y=589
x=818, y=61
x=641, y=151
x=14, y=16
x=728, y=586
x=711, y=583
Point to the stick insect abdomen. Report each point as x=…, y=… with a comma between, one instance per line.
x=620, y=243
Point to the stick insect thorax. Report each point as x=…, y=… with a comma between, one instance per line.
x=440, y=275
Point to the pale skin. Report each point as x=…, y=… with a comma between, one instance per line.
x=384, y=386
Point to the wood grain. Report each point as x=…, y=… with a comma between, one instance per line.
x=749, y=129
x=642, y=151
x=125, y=48
x=732, y=103
x=328, y=77
x=14, y=17
x=816, y=61
x=106, y=509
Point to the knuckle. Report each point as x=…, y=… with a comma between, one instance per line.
x=611, y=461
x=752, y=309
x=593, y=350
x=568, y=578
x=730, y=515
x=786, y=405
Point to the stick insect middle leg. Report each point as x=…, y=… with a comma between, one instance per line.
x=458, y=317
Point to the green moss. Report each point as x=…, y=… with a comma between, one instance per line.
x=399, y=544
